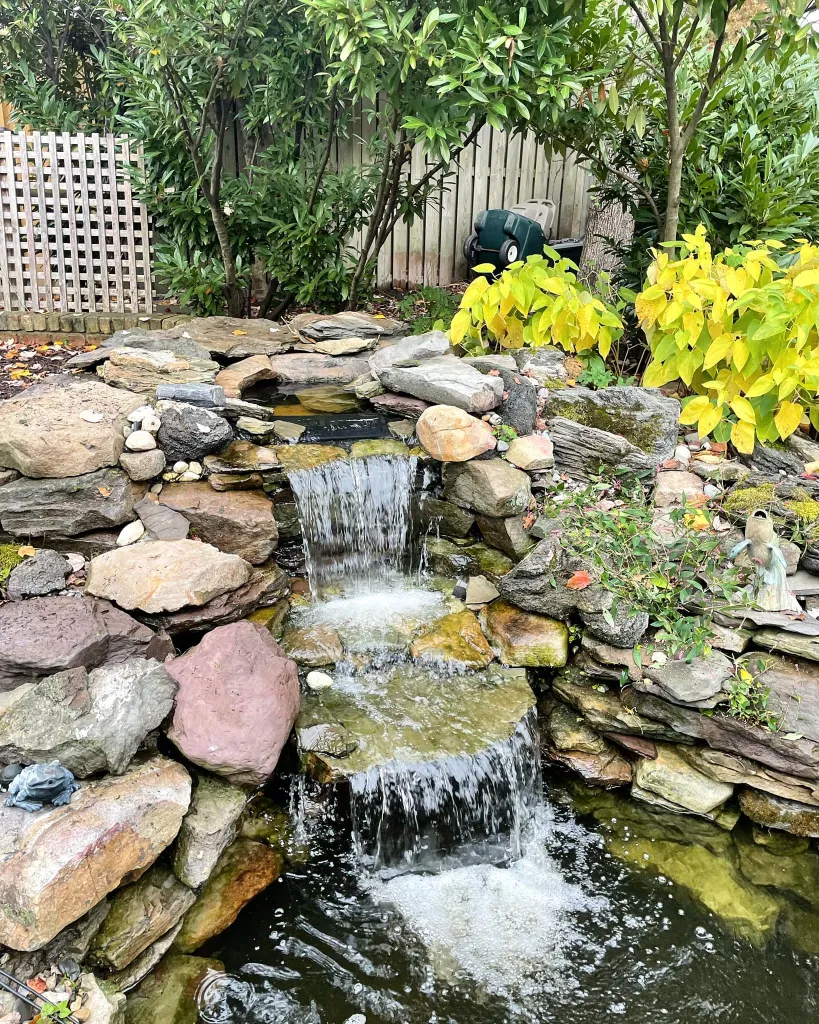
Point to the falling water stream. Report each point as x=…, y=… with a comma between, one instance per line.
x=469, y=888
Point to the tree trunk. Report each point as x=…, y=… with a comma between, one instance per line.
x=672, y=210
x=606, y=223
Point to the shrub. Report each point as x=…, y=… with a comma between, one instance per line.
x=537, y=302
x=740, y=329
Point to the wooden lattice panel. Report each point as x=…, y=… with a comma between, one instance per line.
x=73, y=238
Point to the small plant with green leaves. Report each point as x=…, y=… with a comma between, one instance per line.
x=598, y=376
x=749, y=698
x=429, y=309
x=503, y=432
x=51, y=1013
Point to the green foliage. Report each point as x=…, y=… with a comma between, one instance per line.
x=597, y=375
x=748, y=698
x=9, y=559
x=537, y=302
x=427, y=308
x=504, y=432
x=50, y=1013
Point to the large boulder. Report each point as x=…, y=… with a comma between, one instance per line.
x=237, y=702
x=57, y=864
x=449, y=434
x=45, y=635
x=238, y=377
x=66, y=507
x=236, y=337
x=445, y=380
x=210, y=826
x=63, y=430
x=410, y=351
x=312, y=368
x=138, y=337
x=239, y=522
x=349, y=324
x=522, y=639
x=491, y=487
x=164, y=576
x=89, y=721
x=189, y=433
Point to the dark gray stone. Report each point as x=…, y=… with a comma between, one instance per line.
x=190, y=433
x=445, y=380
x=161, y=522
x=443, y=517
x=538, y=584
x=42, y=574
x=625, y=629
x=775, y=460
x=67, y=506
x=519, y=408
x=410, y=351
x=206, y=396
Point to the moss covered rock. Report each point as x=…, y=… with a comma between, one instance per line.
x=456, y=640
x=525, y=639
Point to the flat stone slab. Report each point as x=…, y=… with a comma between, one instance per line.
x=236, y=337
x=310, y=368
x=67, y=506
x=143, y=372
x=445, y=380
x=349, y=324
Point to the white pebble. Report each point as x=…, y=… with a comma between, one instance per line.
x=138, y=415
x=659, y=658
x=682, y=453
x=195, y=467
x=319, y=680
x=140, y=441
x=90, y=416
x=156, y=489
x=189, y=477
x=180, y=467
x=130, y=533
x=151, y=423
x=357, y=1018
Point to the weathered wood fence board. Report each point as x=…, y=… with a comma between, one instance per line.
x=72, y=237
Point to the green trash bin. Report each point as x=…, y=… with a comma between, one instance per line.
x=502, y=237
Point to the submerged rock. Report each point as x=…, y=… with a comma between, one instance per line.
x=450, y=559
x=299, y=457
x=243, y=457
x=313, y=646
x=493, y=488
x=523, y=639
x=455, y=640
x=210, y=826
x=793, y=868
x=168, y=995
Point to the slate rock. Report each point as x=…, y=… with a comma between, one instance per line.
x=43, y=573
x=400, y=405
x=775, y=461
x=492, y=488
x=143, y=372
x=349, y=324
x=410, y=351
x=164, y=576
x=239, y=376
x=42, y=432
x=581, y=450
x=522, y=639
x=519, y=407
x=345, y=346
x=545, y=365
x=508, y=535
x=626, y=628
x=68, y=506
x=774, y=812
x=677, y=487
x=237, y=337
x=89, y=721
x=445, y=380
x=694, y=683
x=670, y=777
x=210, y=826
x=49, y=634
x=161, y=522
x=143, y=465
x=237, y=702
x=189, y=433
x=312, y=368
x=205, y=396
x=607, y=711
x=57, y=864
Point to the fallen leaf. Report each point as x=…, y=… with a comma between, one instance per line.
x=237, y=333
x=104, y=491
x=671, y=464
x=38, y=984
x=26, y=551
x=529, y=520
x=579, y=581
x=19, y=374
x=493, y=373
x=719, y=447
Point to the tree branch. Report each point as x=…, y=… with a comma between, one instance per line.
x=646, y=27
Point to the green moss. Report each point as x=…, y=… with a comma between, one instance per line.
x=806, y=510
x=747, y=499
x=9, y=559
x=589, y=414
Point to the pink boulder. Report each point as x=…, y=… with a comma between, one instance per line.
x=238, y=699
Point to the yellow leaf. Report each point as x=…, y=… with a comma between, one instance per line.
x=648, y=310
x=460, y=323
x=787, y=418
x=695, y=409
x=709, y=419
x=806, y=278
x=672, y=312
x=743, y=408
x=474, y=292
x=237, y=333
x=658, y=374
x=740, y=353
x=742, y=437
x=26, y=551
x=761, y=386
x=718, y=350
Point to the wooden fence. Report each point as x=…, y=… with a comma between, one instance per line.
x=73, y=238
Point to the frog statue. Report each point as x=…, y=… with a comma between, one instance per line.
x=769, y=590
x=41, y=784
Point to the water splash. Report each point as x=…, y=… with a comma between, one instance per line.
x=356, y=519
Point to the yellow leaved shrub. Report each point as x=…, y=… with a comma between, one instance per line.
x=741, y=330
x=534, y=303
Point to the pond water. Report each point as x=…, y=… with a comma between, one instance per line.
x=451, y=879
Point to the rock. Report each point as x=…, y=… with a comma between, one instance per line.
x=237, y=482
x=617, y=658
x=237, y=337
x=7, y=475
x=289, y=432
x=243, y=457
x=168, y=995
x=479, y=590
x=672, y=778
x=775, y=461
x=545, y=365
x=531, y=453
x=252, y=429
x=379, y=446
x=401, y=405
x=42, y=433
x=332, y=739
x=163, y=576
x=508, y=535
x=349, y=324
x=319, y=680
x=410, y=351
x=721, y=472
x=793, y=687
x=677, y=488
x=143, y=465
x=238, y=522
x=695, y=683
x=103, y=1003
x=295, y=458
x=521, y=639
x=243, y=871
x=606, y=712
x=49, y=634
x=538, y=584
x=740, y=771
x=444, y=518
x=89, y=721
x=580, y=749
x=139, y=915
x=456, y=641
x=726, y=639
x=452, y=435
x=238, y=377
x=790, y=867
x=450, y=559
x=519, y=408
x=66, y=507
x=774, y=812
x=140, y=441
x=153, y=341
x=789, y=643
x=445, y=380
x=492, y=488
x=57, y=864
x=402, y=430
x=142, y=966
x=345, y=346
x=327, y=398
x=131, y=533
x=313, y=646
x=210, y=826
x=42, y=574
x=188, y=432
x=160, y=522
x=237, y=702
x=142, y=372
x=581, y=450
x=206, y=396
x=311, y=368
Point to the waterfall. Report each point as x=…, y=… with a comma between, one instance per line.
x=356, y=519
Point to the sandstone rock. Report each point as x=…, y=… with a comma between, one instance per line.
x=164, y=576
x=521, y=639
x=312, y=368
x=531, y=453
x=509, y=535
x=140, y=441
x=57, y=864
x=451, y=435
x=243, y=457
x=313, y=646
x=142, y=372
x=236, y=337
x=677, y=488
x=238, y=522
x=297, y=457
x=697, y=683
x=445, y=518
x=349, y=324
x=139, y=915
x=492, y=488
x=672, y=778
x=238, y=377
x=49, y=634
x=456, y=641
x=401, y=405
x=42, y=574
x=210, y=826
x=410, y=351
x=237, y=702
x=168, y=995
x=445, y=380
x=345, y=346
x=103, y=1002
x=237, y=482
x=774, y=812
x=67, y=507
x=188, y=432
x=451, y=559
x=143, y=465
x=479, y=590
x=89, y=721
x=42, y=433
